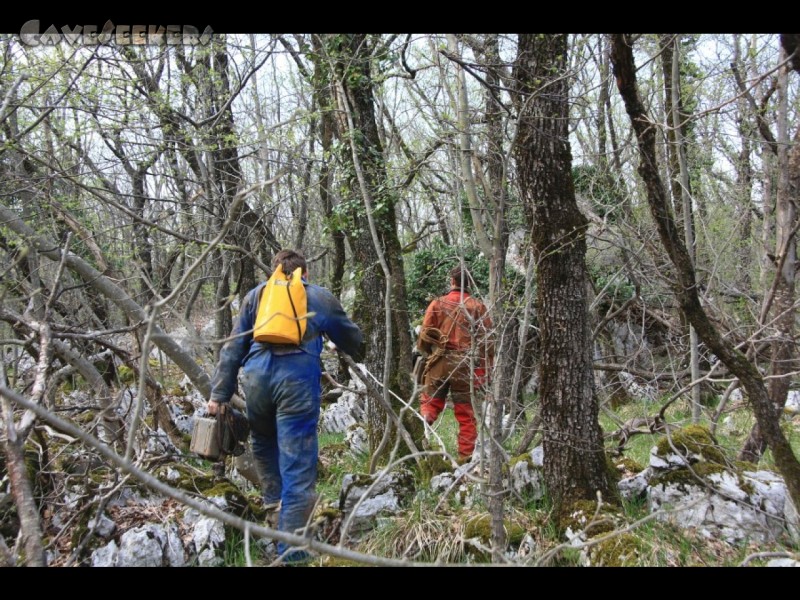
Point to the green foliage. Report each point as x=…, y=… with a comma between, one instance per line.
x=601, y=189
x=427, y=274
x=614, y=287
x=335, y=461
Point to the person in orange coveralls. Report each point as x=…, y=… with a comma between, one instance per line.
x=455, y=326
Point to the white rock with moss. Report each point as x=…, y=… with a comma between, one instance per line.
x=366, y=497
x=175, y=552
x=721, y=504
x=793, y=402
x=208, y=536
x=183, y=421
x=647, y=393
x=458, y=485
x=103, y=526
x=670, y=460
x=526, y=478
x=442, y=482
x=635, y=487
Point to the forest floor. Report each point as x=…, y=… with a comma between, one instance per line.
x=434, y=529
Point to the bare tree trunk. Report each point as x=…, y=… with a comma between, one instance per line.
x=682, y=190
x=223, y=315
x=744, y=181
x=574, y=457
x=499, y=398
x=22, y=491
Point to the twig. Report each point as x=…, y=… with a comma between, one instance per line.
x=757, y=555
x=10, y=95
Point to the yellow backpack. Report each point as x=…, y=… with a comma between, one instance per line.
x=282, y=310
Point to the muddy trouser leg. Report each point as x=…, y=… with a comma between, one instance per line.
x=265, y=455
x=283, y=403
x=297, y=438
x=298, y=404
x=264, y=436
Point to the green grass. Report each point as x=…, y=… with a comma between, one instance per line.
x=446, y=427
x=234, y=553
x=335, y=462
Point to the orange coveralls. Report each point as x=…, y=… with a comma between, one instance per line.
x=466, y=323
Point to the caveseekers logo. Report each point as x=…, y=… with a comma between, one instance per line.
x=123, y=35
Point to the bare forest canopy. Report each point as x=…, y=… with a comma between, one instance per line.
x=626, y=203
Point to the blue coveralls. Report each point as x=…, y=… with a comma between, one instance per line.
x=282, y=388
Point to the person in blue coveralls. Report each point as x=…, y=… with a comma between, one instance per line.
x=282, y=387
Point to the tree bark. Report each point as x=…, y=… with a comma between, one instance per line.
x=324, y=101
x=22, y=491
x=574, y=457
x=351, y=54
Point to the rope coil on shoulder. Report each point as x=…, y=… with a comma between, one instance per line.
x=433, y=338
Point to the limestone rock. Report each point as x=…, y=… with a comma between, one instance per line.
x=442, y=482
x=366, y=496
x=142, y=547
x=792, y=405
x=159, y=444
x=343, y=414
x=670, y=461
x=105, y=526
x=526, y=479
x=176, y=555
x=208, y=535
x=184, y=422
x=636, y=486
x=721, y=503
x=172, y=475
x=537, y=456
x=105, y=556
x=357, y=441
x=783, y=562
